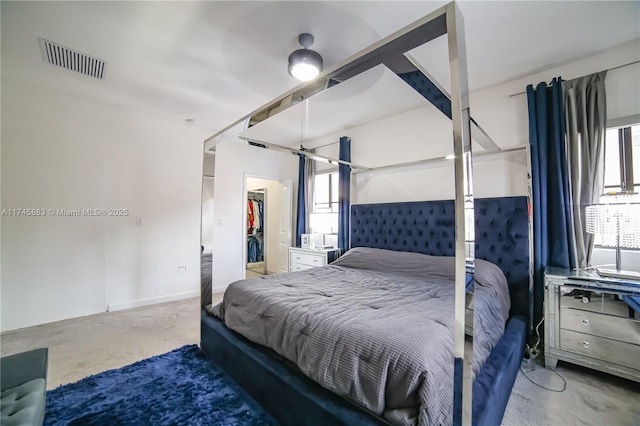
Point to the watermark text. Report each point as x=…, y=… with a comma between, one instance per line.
x=59, y=212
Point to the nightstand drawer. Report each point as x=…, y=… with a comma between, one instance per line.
x=300, y=267
x=309, y=259
x=611, y=327
x=619, y=353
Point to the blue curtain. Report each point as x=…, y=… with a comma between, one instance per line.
x=552, y=239
x=301, y=225
x=344, y=193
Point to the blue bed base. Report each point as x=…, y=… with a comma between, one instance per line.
x=634, y=304
x=502, y=232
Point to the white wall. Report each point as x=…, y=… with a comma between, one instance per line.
x=61, y=152
x=417, y=135
x=272, y=219
x=493, y=177
x=234, y=162
x=505, y=117
x=426, y=133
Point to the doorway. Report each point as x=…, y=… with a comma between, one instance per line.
x=268, y=229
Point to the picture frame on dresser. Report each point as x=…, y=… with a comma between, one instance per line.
x=588, y=322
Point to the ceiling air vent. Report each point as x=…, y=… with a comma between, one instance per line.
x=73, y=60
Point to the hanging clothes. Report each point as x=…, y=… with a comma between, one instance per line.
x=261, y=211
x=252, y=254
x=255, y=228
x=250, y=219
x=256, y=216
x=259, y=248
x=255, y=248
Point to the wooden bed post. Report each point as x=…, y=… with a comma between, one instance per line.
x=464, y=246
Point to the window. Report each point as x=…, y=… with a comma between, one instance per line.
x=622, y=143
x=621, y=172
x=326, y=193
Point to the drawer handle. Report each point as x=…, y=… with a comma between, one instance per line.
x=585, y=344
x=585, y=321
x=297, y=257
x=315, y=260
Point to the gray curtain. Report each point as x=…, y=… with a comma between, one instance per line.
x=309, y=183
x=586, y=121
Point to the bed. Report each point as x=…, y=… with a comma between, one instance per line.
x=420, y=229
x=502, y=239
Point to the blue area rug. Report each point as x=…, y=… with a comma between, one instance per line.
x=181, y=387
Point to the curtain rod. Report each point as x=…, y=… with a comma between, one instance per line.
x=610, y=69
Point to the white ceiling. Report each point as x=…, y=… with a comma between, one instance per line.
x=217, y=61
x=325, y=112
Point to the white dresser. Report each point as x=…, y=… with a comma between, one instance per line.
x=588, y=323
x=302, y=258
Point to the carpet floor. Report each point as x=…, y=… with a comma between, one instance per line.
x=176, y=388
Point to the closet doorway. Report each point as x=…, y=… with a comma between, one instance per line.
x=268, y=226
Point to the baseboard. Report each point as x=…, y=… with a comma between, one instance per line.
x=152, y=301
x=220, y=289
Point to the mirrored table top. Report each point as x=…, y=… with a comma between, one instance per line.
x=592, y=278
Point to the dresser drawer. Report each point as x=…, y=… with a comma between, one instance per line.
x=300, y=267
x=309, y=259
x=623, y=329
x=620, y=353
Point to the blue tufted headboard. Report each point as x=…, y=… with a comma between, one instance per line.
x=502, y=235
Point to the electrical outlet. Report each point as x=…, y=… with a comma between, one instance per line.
x=138, y=221
x=182, y=270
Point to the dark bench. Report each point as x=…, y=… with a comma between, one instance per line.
x=24, y=387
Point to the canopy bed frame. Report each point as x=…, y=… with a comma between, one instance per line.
x=424, y=227
x=289, y=395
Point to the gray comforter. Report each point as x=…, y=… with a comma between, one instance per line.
x=375, y=326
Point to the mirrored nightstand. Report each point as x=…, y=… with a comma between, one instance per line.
x=588, y=322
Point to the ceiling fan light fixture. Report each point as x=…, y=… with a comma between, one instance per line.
x=305, y=64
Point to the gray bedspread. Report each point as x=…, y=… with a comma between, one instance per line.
x=375, y=326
